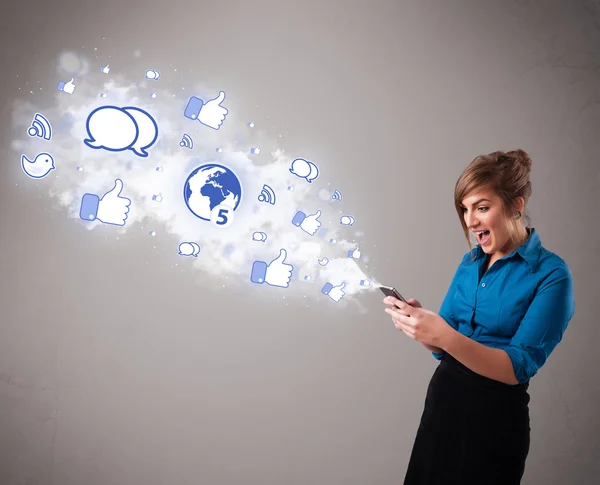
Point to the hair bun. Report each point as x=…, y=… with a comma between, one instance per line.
x=520, y=157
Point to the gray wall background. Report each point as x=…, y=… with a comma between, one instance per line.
x=151, y=391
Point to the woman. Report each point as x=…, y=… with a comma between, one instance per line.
x=506, y=310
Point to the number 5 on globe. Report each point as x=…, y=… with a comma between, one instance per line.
x=222, y=215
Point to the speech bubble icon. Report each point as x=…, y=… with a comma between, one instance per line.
x=147, y=130
x=111, y=128
x=186, y=249
x=152, y=74
x=259, y=236
x=300, y=168
x=196, y=249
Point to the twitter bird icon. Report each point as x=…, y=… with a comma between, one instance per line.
x=38, y=168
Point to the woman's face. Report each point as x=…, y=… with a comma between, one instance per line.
x=483, y=211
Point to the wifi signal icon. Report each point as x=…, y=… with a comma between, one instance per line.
x=40, y=127
x=267, y=195
x=337, y=195
x=186, y=141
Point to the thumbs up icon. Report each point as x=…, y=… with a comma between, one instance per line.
x=354, y=253
x=105, y=69
x=309, y=224
x=110, y=209
x=211, y=113
x=67, y=87
x=276, y=273
x=334, y=292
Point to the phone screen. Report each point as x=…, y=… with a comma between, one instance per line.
x=391, y=291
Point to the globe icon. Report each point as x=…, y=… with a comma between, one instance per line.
x=211, y=185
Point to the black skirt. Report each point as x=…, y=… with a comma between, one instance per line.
x=473, y=430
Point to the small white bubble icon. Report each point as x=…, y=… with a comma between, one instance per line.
x=259, y=236
x=304, y=169
x=152, y=74
x=346, y=220
x=189, y=249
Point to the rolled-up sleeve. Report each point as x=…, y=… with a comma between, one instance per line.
x=446, y=309
x=544, y=324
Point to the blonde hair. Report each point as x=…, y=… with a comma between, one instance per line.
x=505, y=174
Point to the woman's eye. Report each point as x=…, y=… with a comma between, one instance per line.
x=484, y=208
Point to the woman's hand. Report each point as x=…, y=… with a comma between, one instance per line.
x=418, y=323
x=413, y=302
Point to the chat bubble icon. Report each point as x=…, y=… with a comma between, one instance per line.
x=304, y=169
x=147, y=130
x=189, y=249
x=300, y=168
x=259, y=236
x=152, y=74
x=111, y=128
x=186, y=249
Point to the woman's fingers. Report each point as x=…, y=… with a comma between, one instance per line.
x=401, y=326
x=395, y=311
x=397, y=323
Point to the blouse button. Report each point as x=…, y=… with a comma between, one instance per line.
x=483, y=284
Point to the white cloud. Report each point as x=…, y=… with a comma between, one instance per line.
x=227, y=252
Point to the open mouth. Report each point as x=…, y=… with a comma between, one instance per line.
x=483, y=236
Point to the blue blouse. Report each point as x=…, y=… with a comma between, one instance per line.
x=522, y=304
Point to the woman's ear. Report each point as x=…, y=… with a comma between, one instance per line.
x=519, y=204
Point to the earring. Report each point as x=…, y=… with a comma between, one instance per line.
x=518, y=216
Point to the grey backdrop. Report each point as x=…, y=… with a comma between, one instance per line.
x=153, y=391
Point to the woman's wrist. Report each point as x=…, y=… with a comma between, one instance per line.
x=432, y=348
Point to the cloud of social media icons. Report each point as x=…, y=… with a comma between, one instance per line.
x=134, y=155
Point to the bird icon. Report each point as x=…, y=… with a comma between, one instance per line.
x=38, y=168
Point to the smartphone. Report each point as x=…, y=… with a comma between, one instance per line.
x=391, y=291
